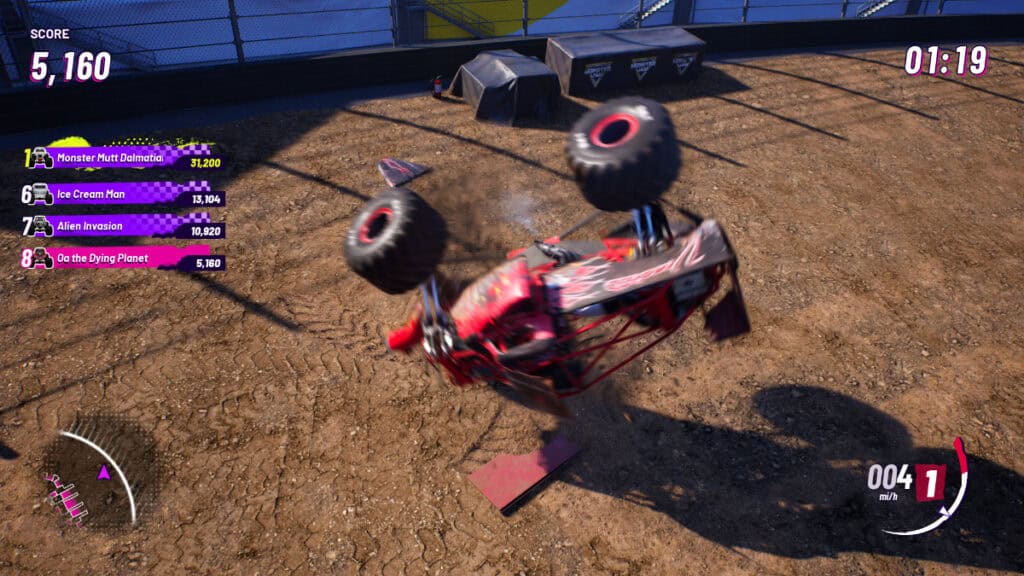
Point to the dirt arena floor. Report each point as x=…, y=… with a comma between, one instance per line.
x=878, y=218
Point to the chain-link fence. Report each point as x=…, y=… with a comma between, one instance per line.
x=152, y=35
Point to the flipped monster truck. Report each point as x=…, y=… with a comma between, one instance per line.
x=41, y=193
x=40, y=225
x=542, y=322
x=40, y=257
x=41, y=156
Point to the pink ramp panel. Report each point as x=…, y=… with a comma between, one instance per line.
x=508, y=477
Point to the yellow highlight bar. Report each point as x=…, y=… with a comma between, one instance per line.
x=505, y=15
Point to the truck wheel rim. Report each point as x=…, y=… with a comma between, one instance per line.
x=614, y=130
x=375, y=225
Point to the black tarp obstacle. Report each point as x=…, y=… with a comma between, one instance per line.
x=504, y=85
x=597, y=61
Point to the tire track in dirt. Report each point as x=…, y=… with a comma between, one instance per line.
x=314, y=450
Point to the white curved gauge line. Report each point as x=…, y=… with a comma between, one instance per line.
x=942, y=517
x=959, y=495
x=91, y=444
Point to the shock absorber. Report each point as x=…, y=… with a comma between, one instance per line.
x=652, y=238
x=432, y=338
x=437, y=301
x=427, y=311
x=639, y=232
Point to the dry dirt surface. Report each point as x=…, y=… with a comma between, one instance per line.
x=878, y=218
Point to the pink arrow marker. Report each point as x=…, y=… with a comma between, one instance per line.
x=103, y=475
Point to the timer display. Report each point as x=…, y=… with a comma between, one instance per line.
x=944, y=63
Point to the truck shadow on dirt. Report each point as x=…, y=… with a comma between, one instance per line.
x=799, y=489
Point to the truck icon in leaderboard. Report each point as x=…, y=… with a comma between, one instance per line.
x=41, y=156
x=66, y=498
x=40, y=257
x=41, y=193
x=41, y=224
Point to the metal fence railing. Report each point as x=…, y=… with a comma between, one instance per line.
x=460, y=16
x=95, y=39
x=152, y=35
x=641, y=12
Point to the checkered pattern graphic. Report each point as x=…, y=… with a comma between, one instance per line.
x=172, y=153
x=170, y=187
x=167, y=191
x=167, y=223
x=195, y=186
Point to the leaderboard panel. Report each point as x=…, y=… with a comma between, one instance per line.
x=76, y=222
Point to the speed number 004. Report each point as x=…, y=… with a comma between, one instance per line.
x=889, y=476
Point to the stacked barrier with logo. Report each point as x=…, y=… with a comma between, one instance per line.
x=598, y=61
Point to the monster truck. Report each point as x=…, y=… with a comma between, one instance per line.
x=41, y=225
x=41, y=156
x=41, y=193
x=543, y=321
x=41, y=257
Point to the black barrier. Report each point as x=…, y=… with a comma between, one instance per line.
x=158, y=92
x=504, y=85
x=597, y=61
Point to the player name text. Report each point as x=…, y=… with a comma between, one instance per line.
x=77, y=194
x=90, y=227
x=109, y=259
x=103, y=157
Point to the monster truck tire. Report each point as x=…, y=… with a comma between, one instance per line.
x=396, y=241
x=624, y=153
x=48, y=263
x=49, y=199
x=48, y=162
x=49, y=231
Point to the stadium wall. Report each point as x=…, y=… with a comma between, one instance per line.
x=186, y=88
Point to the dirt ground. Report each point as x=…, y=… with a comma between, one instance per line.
x=878, y=218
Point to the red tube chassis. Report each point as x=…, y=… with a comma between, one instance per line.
x=529, y=323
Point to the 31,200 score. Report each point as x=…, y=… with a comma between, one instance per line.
x=78, y=67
